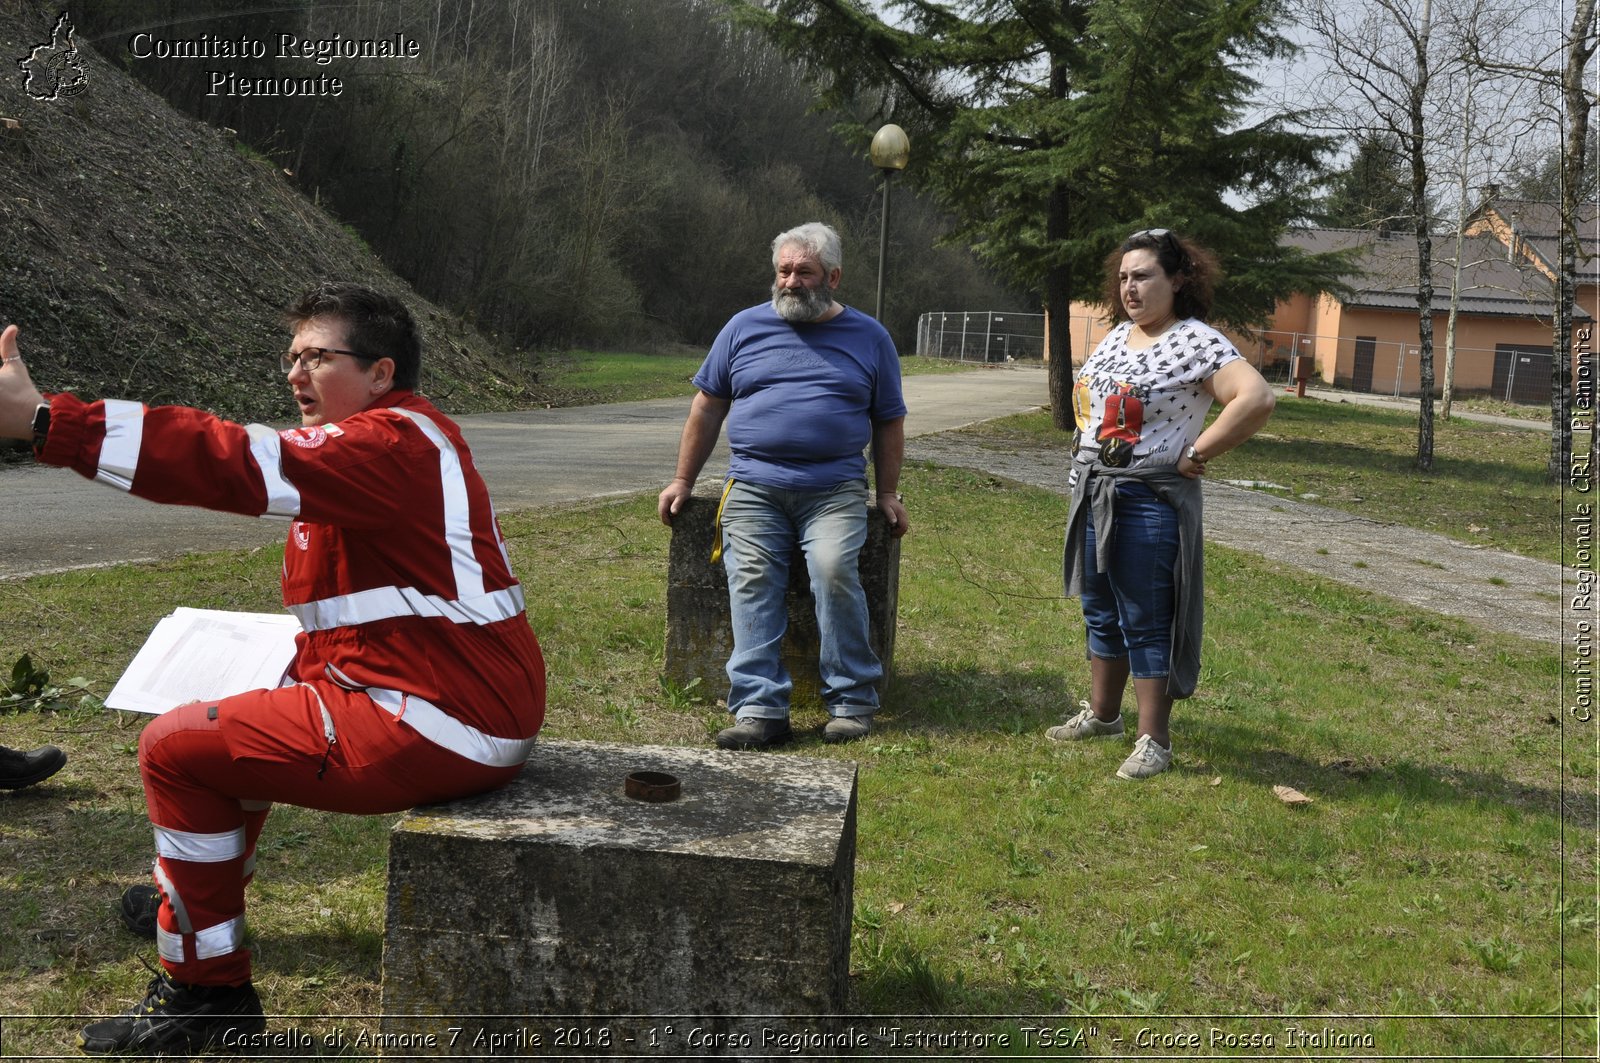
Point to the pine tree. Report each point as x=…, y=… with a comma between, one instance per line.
x=1371, y=192
x=1053, y=128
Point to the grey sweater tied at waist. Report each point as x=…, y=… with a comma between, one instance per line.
x=1095, y=484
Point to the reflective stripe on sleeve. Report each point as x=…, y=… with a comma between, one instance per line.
x=266, y=447
x=119, y=451
x=200, y=848
x=499, y=539
x=457, y=509
x=442, y=729
x=387, y=603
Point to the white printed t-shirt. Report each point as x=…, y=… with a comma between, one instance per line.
x=1153, y=399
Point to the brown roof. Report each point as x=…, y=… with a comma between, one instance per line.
x=1538, y=224
x=1385, y=275
x=1540, y=218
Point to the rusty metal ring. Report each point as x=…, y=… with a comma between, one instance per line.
x=653, y=786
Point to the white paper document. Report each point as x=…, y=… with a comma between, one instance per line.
x=203, y=655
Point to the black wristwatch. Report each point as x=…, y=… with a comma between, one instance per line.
x=41, y=426
x=1194, y=456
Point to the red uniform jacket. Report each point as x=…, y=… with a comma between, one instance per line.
x=394, y=565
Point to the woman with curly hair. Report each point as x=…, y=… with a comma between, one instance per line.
x=1133, y=543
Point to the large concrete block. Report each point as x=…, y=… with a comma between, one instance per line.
x=560, y=895
x=700, y=633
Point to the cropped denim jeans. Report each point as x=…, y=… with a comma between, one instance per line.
x=761, y=527
x=1127, y=611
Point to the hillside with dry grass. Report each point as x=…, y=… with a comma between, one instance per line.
x=148, y=255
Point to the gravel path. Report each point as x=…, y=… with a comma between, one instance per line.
x=1493, y=588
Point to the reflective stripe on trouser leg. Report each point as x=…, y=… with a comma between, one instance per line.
x=255, y=817
x=218, y=939
x=203, y=843
x=213, y=941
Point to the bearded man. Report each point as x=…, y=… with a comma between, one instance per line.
x=805, y=385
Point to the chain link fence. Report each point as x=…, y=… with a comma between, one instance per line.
x=981, y=336
x=1512, y=372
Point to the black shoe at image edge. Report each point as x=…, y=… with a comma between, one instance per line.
x=178, y=1019
x=19, y=769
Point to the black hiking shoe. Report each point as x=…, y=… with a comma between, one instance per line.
x=139, y=907
x=19, y=769
x=175, y=1019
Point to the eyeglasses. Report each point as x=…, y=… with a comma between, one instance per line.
x=309, y=358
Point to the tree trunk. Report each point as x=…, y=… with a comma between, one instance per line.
x=1457, y=266
x=1058, y=300
x=1580, y=48
x=1058, y=282
x=1419, y=212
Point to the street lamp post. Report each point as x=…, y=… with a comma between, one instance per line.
x=890, y=151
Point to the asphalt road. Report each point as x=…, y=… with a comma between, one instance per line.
x=53, y=520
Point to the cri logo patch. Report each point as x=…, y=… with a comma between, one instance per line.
x=301, y=533
x=309, y=438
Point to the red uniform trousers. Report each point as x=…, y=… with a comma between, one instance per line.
x=212, y=771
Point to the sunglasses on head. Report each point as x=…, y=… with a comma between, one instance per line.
x=1154, y=234
x=1162, y=238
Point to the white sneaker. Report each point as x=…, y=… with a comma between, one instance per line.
x=1085, y=725
x=1148, y=758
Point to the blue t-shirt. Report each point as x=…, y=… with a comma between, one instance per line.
x=805, y=395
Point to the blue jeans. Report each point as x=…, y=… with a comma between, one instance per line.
x=760, y=528
x=1127, y=611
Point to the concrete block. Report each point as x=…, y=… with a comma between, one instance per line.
x=700, y=633
x=560, y=895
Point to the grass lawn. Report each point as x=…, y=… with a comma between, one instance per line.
x=1432, y=894
x=584, y=378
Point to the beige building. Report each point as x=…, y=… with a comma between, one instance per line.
x=1368, y=341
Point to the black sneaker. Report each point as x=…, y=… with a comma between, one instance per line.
x=755, y=734
x=139, y=907
x=175, y=1019
x=19, y=769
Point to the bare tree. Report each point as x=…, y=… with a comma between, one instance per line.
x=534, y=76
x=1382, y=55
x=1563, y=71
x=1578, y=99
x=1497, y=119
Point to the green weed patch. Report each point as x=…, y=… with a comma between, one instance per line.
x=1442, y=871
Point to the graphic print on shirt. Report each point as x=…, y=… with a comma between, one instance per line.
x=1082, y=403
x=1153, y=400
x=1120, y=425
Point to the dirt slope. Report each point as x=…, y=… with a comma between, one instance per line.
x=147, y=255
